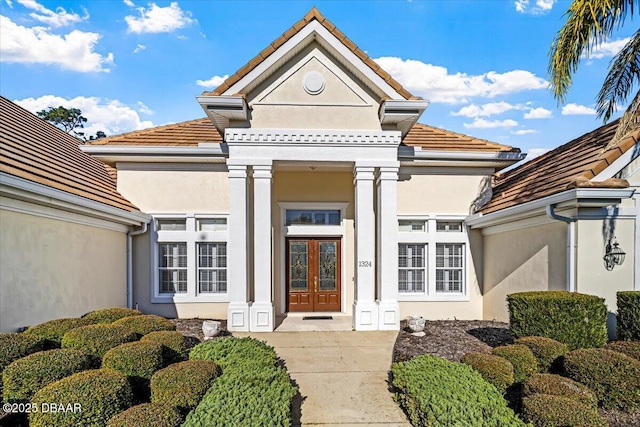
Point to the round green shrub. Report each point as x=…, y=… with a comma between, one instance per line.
x=24, y=377
x=523, y=361
x=235, y=353
x=110, y=315
x=53, y=330
x=100, y=394
x=438, y=393
x=15, y=346
x=494, y=369
x=97, y=339
x=628, y=316
x=545, y=410
x=138, y=360
x=146, y=323
x=182, y=385
x=630, y=348
x=175, y=346
x=147, y=415
x=578, y=320
x=614, y=377
x=546, y=350
x=557, y=385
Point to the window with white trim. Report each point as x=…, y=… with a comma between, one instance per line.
x=191, y=259
x=432, y=258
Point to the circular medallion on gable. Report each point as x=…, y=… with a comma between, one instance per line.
x=313, y=83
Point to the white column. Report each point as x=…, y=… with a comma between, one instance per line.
x=237, y=265
x=262, y=314
x=387, y=234
x=365, y=309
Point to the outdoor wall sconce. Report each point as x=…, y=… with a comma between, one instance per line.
x=613, y=255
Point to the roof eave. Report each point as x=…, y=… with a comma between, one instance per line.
x=403, y=114
x=112, y=154
x=222, y=109
x=420, y=157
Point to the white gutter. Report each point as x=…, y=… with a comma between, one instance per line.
x=571, y=245
x=130, y=236
x=416, y=153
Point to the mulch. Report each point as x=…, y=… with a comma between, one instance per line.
x=193, y=328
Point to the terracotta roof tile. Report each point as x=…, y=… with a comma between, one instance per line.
x=33, y=149
x=313, y=14
x=189, y=133
x=556, y=171
x=433, y=138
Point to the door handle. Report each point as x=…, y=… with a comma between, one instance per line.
x=315, y=283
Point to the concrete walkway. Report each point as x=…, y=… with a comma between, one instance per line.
x=342, y=376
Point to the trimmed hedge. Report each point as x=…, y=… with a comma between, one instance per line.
x=53, y=330
x=630, y=348
x=614, y=377
x=494, y=369
x=578, y=320
x=96, y=340
x=147, y=415
x=438, y=393
x=146, y=323
x=544, y=410
x=546, y=350
x=628, y=315
x=24, y=377
x=15, y=346
x=182, y=385
x=252, y=390
x=524, y=362
x=138, y=361
x=557, y=385
x=100, y=394
x=175, y=347
x=110, y=315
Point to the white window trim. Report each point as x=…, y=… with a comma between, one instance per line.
x=431, y=238
x=191, y=236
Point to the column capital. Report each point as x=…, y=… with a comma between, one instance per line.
x=363, y=173
x=262, y=171
x=237, y=171
x=387, y=173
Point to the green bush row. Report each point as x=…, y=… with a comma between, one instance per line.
x=147, y=415
x=630, y=348
x=494, y=369
x=628, y=318
x=110, y=315
x=557, y=385
x=16, y=346
x=25, y=376
x=144, y=324
x=96, y=340
x=53, y=330
x=523, y=361
x=547, y=351
x=578, y=320
x=99, y=395
x=233, y=353
x=545, y=410
x=182, y=385
x=138, y=361
x=175, y=347
x=438, y=393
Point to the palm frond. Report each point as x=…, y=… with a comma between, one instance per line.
x=629, y=121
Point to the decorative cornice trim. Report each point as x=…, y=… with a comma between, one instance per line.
x=311, y=137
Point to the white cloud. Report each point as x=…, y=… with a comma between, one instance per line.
x=490, y=124
x=59, y=18
x=110, y=116
x=609, y=48
x=213, y=82
x=139, y=48
x=576, y=109
x=434, y=83
x=523, y=132
x=486, y=110
x=541, y=6
x=128, y=3
x=538, y=113
x=143, y=108
x=156, y=19
x=73, y=51
x=9, y=3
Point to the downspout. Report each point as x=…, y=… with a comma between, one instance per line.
x=130, y=236
x=571, y=245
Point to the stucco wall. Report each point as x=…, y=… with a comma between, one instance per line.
x=527, y=259
x=175, y=191
x=51, y=269
x=437, y=194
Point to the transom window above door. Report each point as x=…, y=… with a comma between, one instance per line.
x=313, y=217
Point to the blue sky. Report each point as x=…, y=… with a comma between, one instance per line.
x=131, y=64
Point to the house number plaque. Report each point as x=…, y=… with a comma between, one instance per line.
x=364, y=264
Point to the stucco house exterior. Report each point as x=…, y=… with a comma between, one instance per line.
x=310, y=187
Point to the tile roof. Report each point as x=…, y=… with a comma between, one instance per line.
x=35, y=150
x=313, y=14
x=189, y=133
x=571, y=165
x=433, y=138
x=193, y=132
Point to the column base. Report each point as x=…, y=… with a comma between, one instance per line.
x=388, y=315
x=238, y=317
x=262, y=317
x=365, y=316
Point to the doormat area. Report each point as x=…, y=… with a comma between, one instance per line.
x=317, y=318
